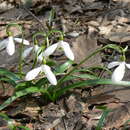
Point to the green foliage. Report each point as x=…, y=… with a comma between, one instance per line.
x=5, y=73
x=11, y=124
x=23, y=88
x=103, y=117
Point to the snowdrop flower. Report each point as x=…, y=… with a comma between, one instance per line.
x=43, y=68
x=119, y=72
x=61, y=44
x=36, y=50
x=10, y=45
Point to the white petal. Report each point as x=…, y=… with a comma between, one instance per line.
x=67, y=50
x=40, y=57
x=33, y=73
x=36, y=48
x=10, y=46
x=50, y=50
x=49, y=74
x=4, y=43
x=20, y=40
x=113, y=64
x=119, y=72
x=128, y=66
x=26, y=52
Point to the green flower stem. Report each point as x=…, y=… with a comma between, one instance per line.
x=56, y=31
x=35, y=42
x=38, y=34
x=21, y=46
x=123, y=57
x=34, y=63
x=84, y=60
x=47, y=41
x=20, y=56
x=12, y=25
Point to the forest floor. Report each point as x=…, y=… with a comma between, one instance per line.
x=88, y=25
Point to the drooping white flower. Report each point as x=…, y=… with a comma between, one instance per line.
x=3, y=44
x=61, y=44
x=20, y=40
x=43, y=68
x=26, y=52
x=119, y=72
x=9, y=44
x=36, y=50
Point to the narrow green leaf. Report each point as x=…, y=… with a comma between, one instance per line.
x=21, y=93
x=8, y=81
x=41, y=82
x=125, y=125
x=64, y=67
x=85, y=76
x=102, y=119
x=10, y=75
x=23, y=127
x=23, y=85
x=90, y=83
x=115, y=47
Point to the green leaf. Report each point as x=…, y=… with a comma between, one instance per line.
x=9, y=121
x=23, y=127
x=115, y=47
x=86, y=83
x=41, y=82
x=8, y=81
x=23, y=85
x=102, y=119
x=125, y=125
x=51, y=17
x=8, y=74
x=31, y=89
x=85, y=76
x=64, y=67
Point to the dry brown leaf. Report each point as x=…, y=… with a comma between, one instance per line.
x=118, y=116
x=82, y=47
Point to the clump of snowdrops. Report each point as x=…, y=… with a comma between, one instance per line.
x=46, y=75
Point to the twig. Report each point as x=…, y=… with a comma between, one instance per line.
x=35, y=17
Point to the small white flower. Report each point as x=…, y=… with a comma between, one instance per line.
x=3, y=44
x=43, y=68
x=119, y=72
x=61, y=44
x=10, y=45
x=36, y=50
x=27, y=52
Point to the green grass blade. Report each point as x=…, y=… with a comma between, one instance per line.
x=8, y=74
x=102, y=119
x=62, y=90
x=62, y=68
x=7, y=80
x=85, y=76
x=18, y=94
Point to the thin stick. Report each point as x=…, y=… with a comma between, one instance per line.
x=35, y=17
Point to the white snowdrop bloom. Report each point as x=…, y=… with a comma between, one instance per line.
x=20, y=40
x=9, y=44
x=10, y=48
x=36, y=50
x=3, y=44
x=27, y=52
x=61, y=44
x=46, y=70
x=119, y=72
